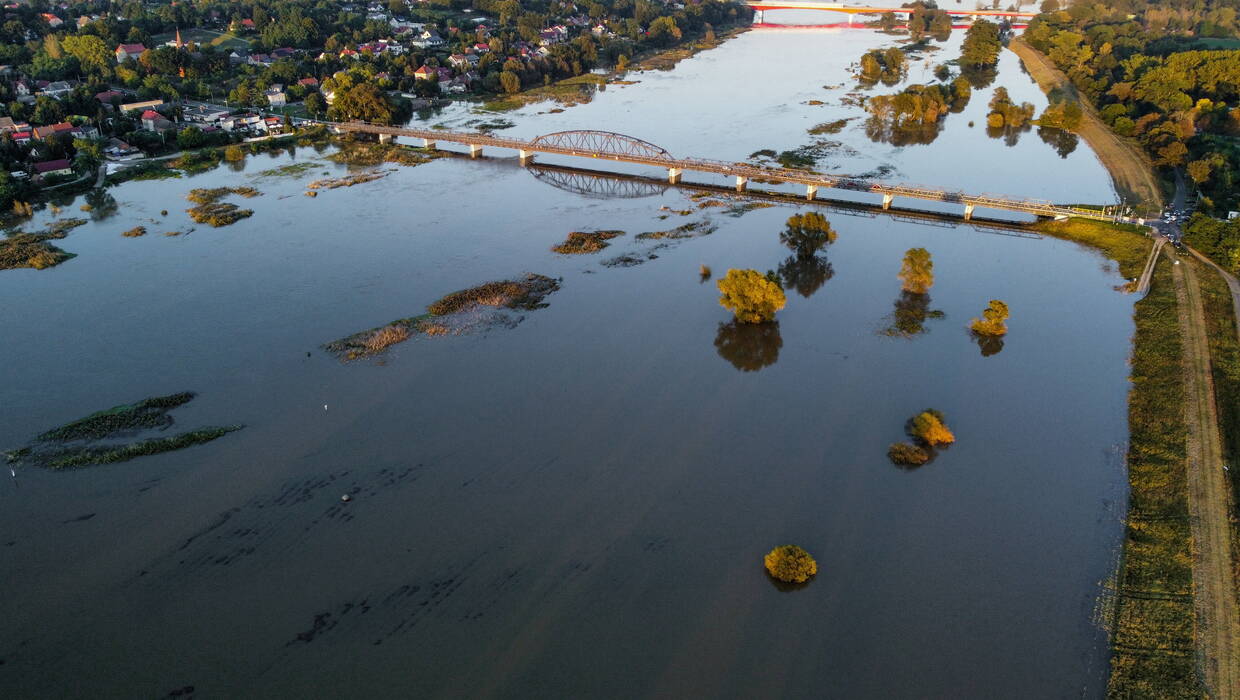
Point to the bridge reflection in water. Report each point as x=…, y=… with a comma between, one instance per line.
x=602, y=184
x=605, y=145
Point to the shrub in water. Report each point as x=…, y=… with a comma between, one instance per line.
x=790, y=564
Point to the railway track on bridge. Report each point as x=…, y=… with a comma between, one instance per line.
x=604, y=145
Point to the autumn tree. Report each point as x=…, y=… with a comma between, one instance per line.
x=917, y=271
x=751, y=296
x=930, y=428
x=790, y=564
x=993, y=321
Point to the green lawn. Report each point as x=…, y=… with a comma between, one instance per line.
x=222, y=40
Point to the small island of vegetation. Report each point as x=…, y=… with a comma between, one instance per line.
x=928, y=430
x=790, y=564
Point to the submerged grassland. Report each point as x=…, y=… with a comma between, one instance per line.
x=96, y=439
x=454, y=314
x=32, y=250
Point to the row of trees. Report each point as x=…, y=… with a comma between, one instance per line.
x=1146, y=67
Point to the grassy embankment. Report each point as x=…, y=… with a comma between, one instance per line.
x=580, y=89
x=1152, y=625
x=1225, y=366
x=1131, y=170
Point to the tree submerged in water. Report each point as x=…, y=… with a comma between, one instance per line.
x=917, y=271
x=928, y=430
x=751, y=296
x=994, y=320
x=790, y=564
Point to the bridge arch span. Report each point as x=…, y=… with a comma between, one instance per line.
x=602, y=142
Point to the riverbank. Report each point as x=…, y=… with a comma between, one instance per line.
x=1130, y=169
x=1152, y=623
x=579, y=89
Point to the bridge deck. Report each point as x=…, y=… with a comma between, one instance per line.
x=850, y=9
x=746, y=171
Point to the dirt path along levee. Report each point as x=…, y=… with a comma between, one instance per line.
x=1130, y=169
x=1209, y=505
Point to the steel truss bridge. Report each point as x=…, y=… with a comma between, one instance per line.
x=761, y=5
x=606, y=145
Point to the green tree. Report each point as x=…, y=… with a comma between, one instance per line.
x=750, y=296
x=993, y=321
x=663, y=31
x=88, y=154
x=917, y=271
x=47, y=111
x=930, y=427
x=981, y=44
x=315, y=104
x=510, y=81
x=90, y=51
x=364, y=102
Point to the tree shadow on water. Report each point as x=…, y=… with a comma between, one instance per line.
x=911, y=313
x=805, y=274
x=749, y=346
x=989, y=344
x=784, y=586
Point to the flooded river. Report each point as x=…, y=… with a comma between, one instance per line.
x=575, y=504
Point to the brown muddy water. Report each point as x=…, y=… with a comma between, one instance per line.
x=575, y=502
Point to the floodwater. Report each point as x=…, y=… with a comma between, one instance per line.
x=576, y=506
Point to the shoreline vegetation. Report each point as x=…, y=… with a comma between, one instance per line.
x=1131, y=171
x=580, y=89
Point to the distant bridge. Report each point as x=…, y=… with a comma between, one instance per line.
x=762, y=5
x=627, y=149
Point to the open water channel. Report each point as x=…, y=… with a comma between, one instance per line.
x=578, y=505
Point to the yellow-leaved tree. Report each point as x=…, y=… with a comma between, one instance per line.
x=993, y=321
x=751, y=296
x=917, y=271
x=929, y=427
x=790, y=564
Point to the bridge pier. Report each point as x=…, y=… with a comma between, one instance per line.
x=525, y=156
x=741, y=183
x=887, y=198
x=673, y=175
x=968, y=212
x=475, y=150
x=386, y=138
x=811, y=191
x=427, y=143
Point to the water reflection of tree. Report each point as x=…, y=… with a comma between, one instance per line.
x=805, y=274
x=989, y=344
x=806, y=235
x=979, y=76
x=749, y=346
x=910, y=315
x=1009, y=134
x=902, y=134
x=1064, y=142
x=102, y=204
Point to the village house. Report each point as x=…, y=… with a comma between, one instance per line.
x=275, y=96
x=424, y=73
x=57, y=89
x=311, y=83
x=52, y=168
x=8, y=126
x=125, y=51
x=52, y=20
x=141, y=106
